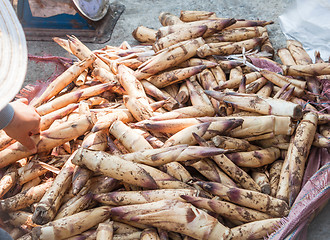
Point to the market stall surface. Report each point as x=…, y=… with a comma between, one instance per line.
x=146, y=12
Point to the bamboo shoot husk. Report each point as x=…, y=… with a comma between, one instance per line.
x=281, y=81
x=166, y=19
x=179, y=36
x=149, y=234
x=274, y=176
x=73, y=97
x=8, y=179
x=176, y=170
x=190, y=16
x=132, y=140
x=236, y=34
x=309, y=70
x=164, y=155
x=175, y=216
x=81, y=51
x=104, y=231
x=26, y=198
x=77, y=204
x=227, y=209
x=48, y=206
x=255, y=158
x=211, y=171
x=64, y=79
x=105, y=121
x=120, y=198
x=206, y=130
x=254, y=103
x=228, y=48
x=298, y=52
x=262, y=180
x=144, y=34
x=170, y=77
x=251, y=199
x=158, y=94
x=174, y=56
x=299, y=152
x=255, y=230
x=117, y=168
x=213, y=25
x=286, y=57
x=71, y=225
x=47, y=140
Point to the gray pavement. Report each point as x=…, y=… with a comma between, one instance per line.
x=145, y=12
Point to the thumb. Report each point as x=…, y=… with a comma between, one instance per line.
x=29, y=144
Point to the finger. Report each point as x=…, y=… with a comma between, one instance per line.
x=23, y=100
x=35, y=131
x=28, y=143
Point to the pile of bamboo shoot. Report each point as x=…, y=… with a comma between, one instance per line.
x=195, y=134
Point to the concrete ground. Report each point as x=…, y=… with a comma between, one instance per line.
x=145, y=12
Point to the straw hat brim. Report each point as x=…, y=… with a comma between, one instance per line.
x=13, y=54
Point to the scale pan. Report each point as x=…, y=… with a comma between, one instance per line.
x=94, y=10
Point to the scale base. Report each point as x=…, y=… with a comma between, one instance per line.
x=44, y=29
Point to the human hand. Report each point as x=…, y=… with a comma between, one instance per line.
x=26, y=122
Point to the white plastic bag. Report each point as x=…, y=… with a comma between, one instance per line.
x=308, y=21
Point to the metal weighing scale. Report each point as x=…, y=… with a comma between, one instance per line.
x=90, y=20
